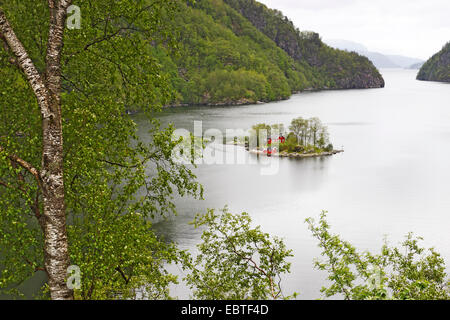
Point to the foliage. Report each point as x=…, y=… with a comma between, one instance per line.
x=437, y=68
x=333, y=68
x=300, y=128
x=236, y=261
x=124, y=58
x=225, y=59
x=304, y=136
x=128, y=243
x=259, y=131
x=308, y=136
x=406, y=273
x=220, y=65
x=114, y=180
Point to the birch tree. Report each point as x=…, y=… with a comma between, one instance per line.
x=297, y=127
x=315, y=125
x=73, y=172
x=46, y=86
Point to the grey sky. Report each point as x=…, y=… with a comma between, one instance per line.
x=415, y=28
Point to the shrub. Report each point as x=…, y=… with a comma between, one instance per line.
x=236, y=261
x=409, y=272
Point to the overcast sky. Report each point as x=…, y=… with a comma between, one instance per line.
x=415, y=28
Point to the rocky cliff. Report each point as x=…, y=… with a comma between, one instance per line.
x=346, y=70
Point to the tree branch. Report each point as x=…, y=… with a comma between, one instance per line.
x=24, y=164
x=26, y=64
x=6, y=185
x=127, y=280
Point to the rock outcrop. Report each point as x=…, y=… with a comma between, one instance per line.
x=437, y=68
x=346, y=70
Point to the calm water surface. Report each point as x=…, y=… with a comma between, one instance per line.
x=393, y=178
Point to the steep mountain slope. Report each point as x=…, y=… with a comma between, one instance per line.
x=346, y=69
x=225, y=58
x=437, y=68
x=216, y=66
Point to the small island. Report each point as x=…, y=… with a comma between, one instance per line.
x=306, y=138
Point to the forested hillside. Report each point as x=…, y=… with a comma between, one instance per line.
x=437, y=68
x=345, y=70
x=237, y=52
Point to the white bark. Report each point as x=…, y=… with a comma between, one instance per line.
x=47, y=90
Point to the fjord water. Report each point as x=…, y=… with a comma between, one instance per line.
x=393, y=178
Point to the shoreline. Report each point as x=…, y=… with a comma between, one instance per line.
x=285, y=154
x=245, y=102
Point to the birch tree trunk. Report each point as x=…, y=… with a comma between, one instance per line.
x=47, y=89
x=56, y=244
